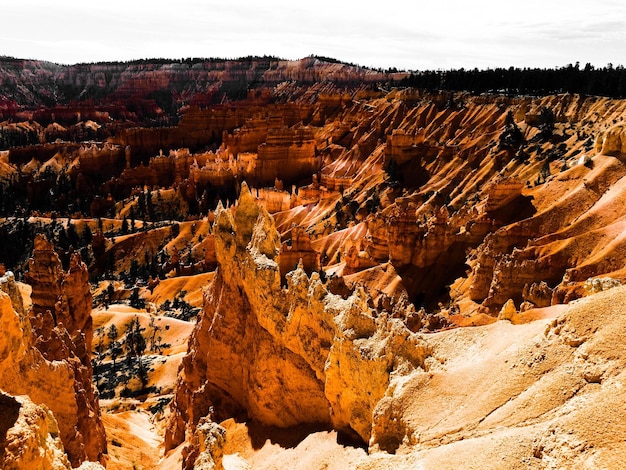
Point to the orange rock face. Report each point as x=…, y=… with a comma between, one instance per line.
x=287, y=154
x=29, y=436
x=298, y=249
x=423, y=212
x=284, y=356
x=42, y=426
x=62, y=332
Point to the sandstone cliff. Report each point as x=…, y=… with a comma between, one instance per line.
x=29, y=437
x=46, y=355
x=284, y=355
x=539, y=394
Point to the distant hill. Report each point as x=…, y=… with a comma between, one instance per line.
x=170, y=83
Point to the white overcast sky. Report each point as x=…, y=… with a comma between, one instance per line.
x=433, y=34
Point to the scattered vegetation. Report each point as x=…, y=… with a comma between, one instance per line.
x=131, y=345
x=179, y=308
x=546, y=123
x=160, y=405
x=511, y=137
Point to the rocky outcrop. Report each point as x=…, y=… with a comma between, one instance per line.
x=284, y=356
x=298, y=250
x=29, y=436
x=501, y=193
x=55, y=388
x=248, y=137
x=100, y=160
x=60, y=348
x=419, y=236
x=599, y=284
x=402, y=146
x=287, y=154
x=9, y=287
x=206, y=449
x=612, y=142
x=425, y=244
x=355, y=257
x=498, y=256
x=537, y=295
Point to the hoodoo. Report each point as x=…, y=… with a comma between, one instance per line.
x=46, y=357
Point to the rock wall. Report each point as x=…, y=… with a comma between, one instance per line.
x=287, y=154
x=298, y=250
x=39, y=427
x=501, y=193
x=402, y=146
x=248, y=137
x=284, y=356
x=274, y=200
x=612, y=142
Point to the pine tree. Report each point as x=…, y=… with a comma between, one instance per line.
x=154, y=338
x=108, y=295
x=87, y=235
x=546, y=123
x=114, y=347
x=132, y=218
x=511, y=137
x=72, y=236
x=135, y=347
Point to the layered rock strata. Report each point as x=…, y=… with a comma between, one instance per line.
x=40, y=407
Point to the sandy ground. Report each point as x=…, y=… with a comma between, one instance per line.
x=135, y=435
x=268, y=449
x=132, y=440
x=173, y=332
x=169, y=289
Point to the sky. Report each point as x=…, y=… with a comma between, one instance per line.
x=409, y=35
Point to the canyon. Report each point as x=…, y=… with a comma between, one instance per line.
x=263, y=263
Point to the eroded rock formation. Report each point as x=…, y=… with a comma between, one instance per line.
x=298, y=249
x=284, y=356
x=425, y=211
x=46, y=356
x=29, y=436
x=40, y=426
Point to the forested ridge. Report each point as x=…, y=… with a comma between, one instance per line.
x=607, y=81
